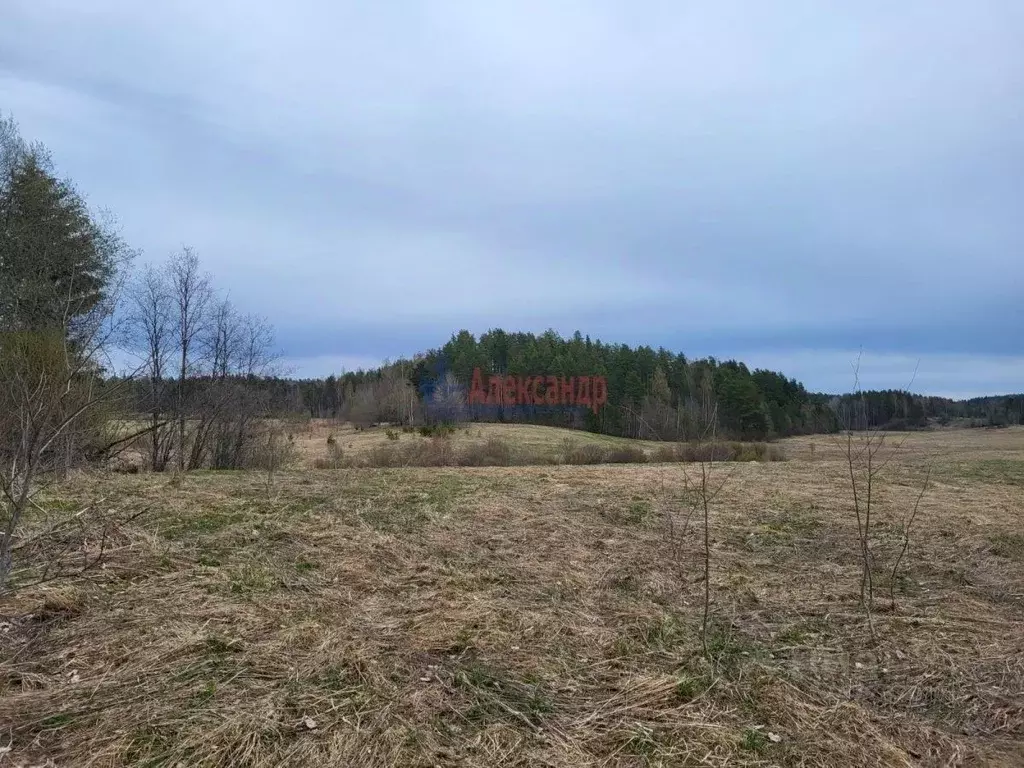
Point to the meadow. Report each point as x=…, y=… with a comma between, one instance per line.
x=535, y=615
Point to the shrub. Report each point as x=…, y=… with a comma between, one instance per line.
x=270, y=453
x=628, y=454
x=385, y=456
x=334, y=458
x=436, y=452
x=491, y=453
x=391, y=433
x=720, y=451
x=751, y=452
x=666, y=453
x=583, y=454
x=707, y=452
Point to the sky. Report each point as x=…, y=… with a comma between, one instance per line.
x=791, y=184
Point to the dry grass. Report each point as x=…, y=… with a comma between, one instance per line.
x=529, y=616
x=528, y=439
x=497, y=445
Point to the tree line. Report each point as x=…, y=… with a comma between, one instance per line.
x=895, y=410
x=652, y=393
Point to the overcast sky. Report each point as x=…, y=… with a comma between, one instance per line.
x=774, y=182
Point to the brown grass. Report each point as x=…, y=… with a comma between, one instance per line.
x=324, y=445
x=542, y=444
x=528, y=616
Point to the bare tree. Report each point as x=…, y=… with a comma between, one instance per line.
x=867, y=453
x=217, y=353
x=231, y=412
x=702, y=419
x=223, y=339
x=219, y=342
x=257, y=357
x=190, y=296
x=150, y=333
x=448, y=401
x=707, y=487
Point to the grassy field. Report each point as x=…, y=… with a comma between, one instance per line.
x=311, y=438
x=527, y=616
x=529, y=443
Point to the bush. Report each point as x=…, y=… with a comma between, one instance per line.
x=628, y=454
x=666, y=453
x=270, y=453
x=334, y=459
x=437, y=430
x=385, y=456
x=583, y=454
x=391, y=433
x=720, y=451
x=436, y=452
x=492, y=453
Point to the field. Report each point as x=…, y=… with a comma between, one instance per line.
x=527, y=616
x=481, y=445
x=530, y=439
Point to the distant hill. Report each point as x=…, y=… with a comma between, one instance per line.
x=651, y=393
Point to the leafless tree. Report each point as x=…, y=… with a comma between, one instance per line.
x=150, y=332
x=223, y=340
x=448, y=402
x=867, y=452
x=257, y=357
x=707, y=485
x=702, y=489
x=217, y=353
x=230, y=417
x=190, y=295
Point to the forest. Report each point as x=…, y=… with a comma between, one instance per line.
x=652, y=393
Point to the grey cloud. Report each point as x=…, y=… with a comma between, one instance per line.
x=722, y=177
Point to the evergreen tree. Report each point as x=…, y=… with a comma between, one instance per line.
x=56, y=262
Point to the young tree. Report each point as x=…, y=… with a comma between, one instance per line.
x=867, y=453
